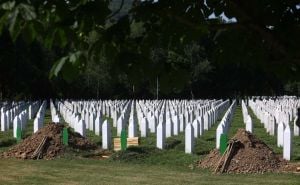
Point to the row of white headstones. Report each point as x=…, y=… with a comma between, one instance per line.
x=17, y=115
x=225, y=123
x=276, y=116
x=166, y=118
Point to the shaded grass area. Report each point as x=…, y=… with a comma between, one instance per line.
x=271, y=141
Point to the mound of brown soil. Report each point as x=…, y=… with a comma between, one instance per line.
x=250, y=155
x=53, y=145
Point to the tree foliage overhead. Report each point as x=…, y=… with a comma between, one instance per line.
x=105, y=47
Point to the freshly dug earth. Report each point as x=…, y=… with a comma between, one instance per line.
x=53, y=146
x=250, y=155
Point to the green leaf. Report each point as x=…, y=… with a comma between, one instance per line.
x=60, y=38
x=27, y=12
x=48, y=42
x=3, y=22
x=29, y=33
x=74, y=57
x=8, y=5
x=12, y=18
x=57, y=66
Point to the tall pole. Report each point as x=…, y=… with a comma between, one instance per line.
x=157, y=88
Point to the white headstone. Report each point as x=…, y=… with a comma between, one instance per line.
x=296, y=127
x=196, y=128
x=287, y=145
x=92, y=121
x=98, y=126
x=169, y=127
x=106, y=135
x=219, y=131
x=175, y=125
x=189, y=139
x=36, y=124
x=249, y=125
x=144, y=128
x=206, y=126
x=132, y=128
x=17, y=124
x=81, y=127
x=280, y=132
x=160, y=136
x=3, y=121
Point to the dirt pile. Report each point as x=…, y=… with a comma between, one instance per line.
x=248, y=155
x=53, y=147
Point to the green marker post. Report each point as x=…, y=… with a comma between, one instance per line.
x=65, y=137
x=123, y=140
x=19, y=134
x=223, y=143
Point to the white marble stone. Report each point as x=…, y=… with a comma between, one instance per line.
x=287, y=145
x=189, y=139
x=144, y=127
x=206, y=124
x=3, y=122
x=280, y=133
x=17, y=124
x=175, y=122
x=36, y=124
x=196, y=128
x=92, y=121
x=296, y=127
x=106, y=135
x=81, y=128
x=219, y=131
x=169, y=128
x=98, y=126
x=120, y=126
x=181, y=123
x=249, y=125
x=132, y=128
x=160, y=136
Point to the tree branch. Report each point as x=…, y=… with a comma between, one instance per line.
x=117, y=11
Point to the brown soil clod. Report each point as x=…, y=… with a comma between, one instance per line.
x=46, y=143
x=244, y=154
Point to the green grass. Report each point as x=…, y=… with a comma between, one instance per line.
x=89, y=171
x=170, y=166
x=237, y=122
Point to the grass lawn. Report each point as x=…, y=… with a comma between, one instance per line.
x=170, y=166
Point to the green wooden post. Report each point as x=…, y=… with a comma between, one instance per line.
x=19, y=134
x=223, y=143
x=123, y=140
x=65, y=137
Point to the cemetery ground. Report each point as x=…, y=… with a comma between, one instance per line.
x=139, y=165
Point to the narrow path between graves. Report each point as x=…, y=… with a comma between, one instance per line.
x=237, y=122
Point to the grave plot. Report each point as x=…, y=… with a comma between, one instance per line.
x=47, y=143
x=244, y=154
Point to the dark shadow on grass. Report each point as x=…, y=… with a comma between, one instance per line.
x=172, y=143
x=7, y=142
x=203, y=152
x=211, y=139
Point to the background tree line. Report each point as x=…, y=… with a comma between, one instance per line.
x=128, y=49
